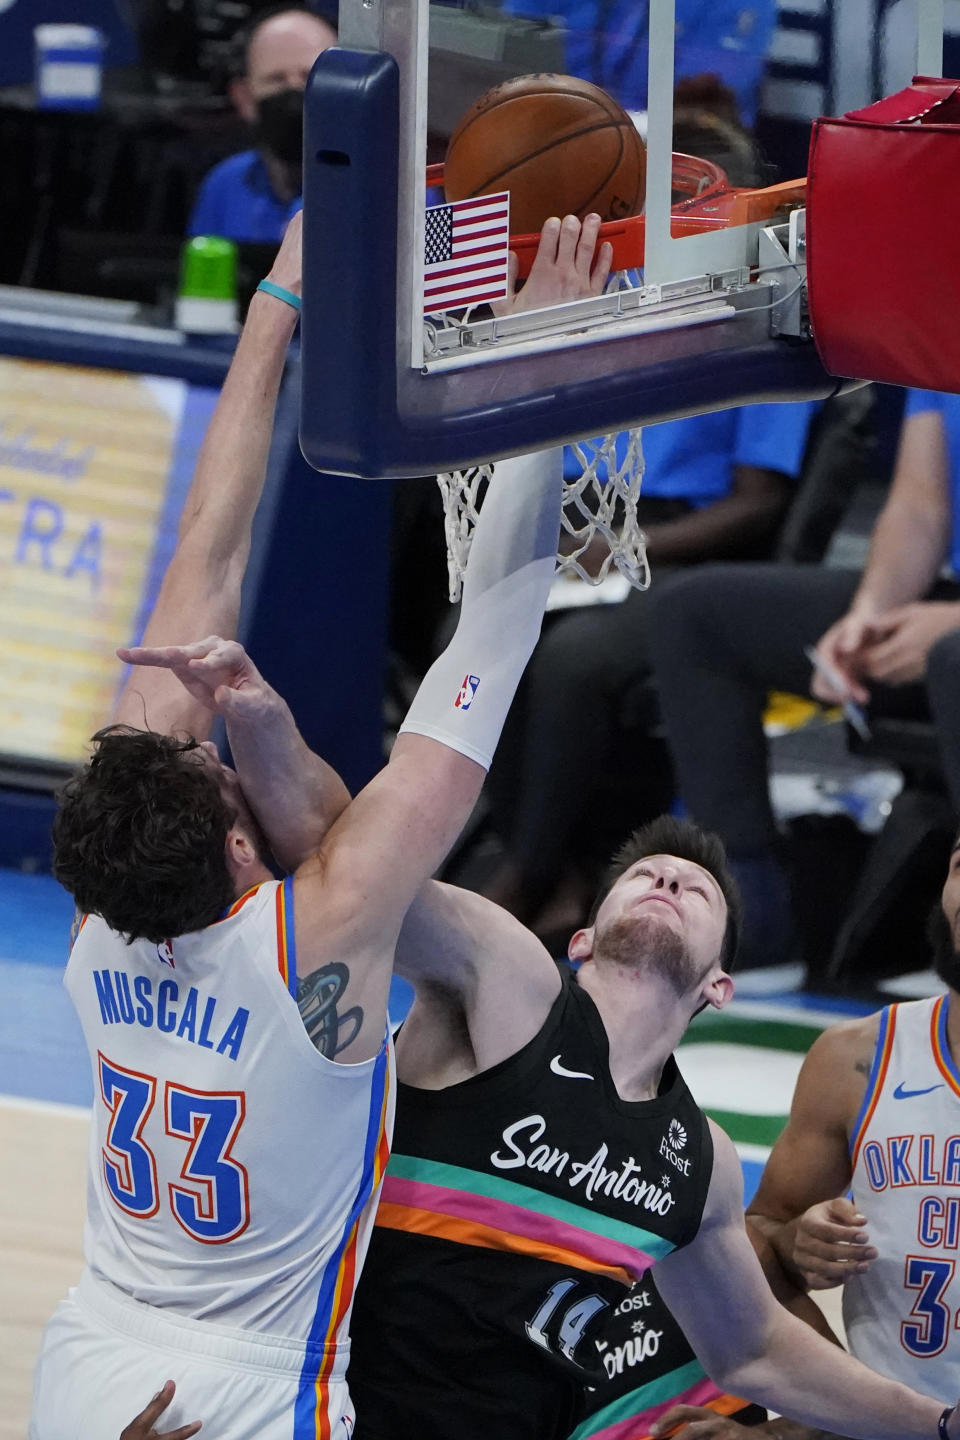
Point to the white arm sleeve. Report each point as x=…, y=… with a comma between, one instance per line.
x=466, y=693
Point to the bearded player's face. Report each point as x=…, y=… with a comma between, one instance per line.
x=664, y=914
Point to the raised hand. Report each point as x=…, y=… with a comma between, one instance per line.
x=567, y=266
x=830, y=1243
x=218, y=673
x=143, y=1426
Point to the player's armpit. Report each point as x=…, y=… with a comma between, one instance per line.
x=457, y=946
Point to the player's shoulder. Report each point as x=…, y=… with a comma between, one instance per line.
x=834, y=1075
x=854, y=1039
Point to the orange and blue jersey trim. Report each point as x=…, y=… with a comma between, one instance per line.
x=941, y=1045
x=311, y=1417
x=286, y=936
x=876, y=1079
x=239, y=903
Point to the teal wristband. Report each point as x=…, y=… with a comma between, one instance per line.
x=278, y=292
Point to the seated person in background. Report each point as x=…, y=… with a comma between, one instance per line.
x=251, y=196
x=723, y=38
x=715, y=487
x=722, y=637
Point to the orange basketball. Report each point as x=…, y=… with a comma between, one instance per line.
x=560, y=145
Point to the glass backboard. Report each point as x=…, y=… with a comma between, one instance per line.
x=706, y=309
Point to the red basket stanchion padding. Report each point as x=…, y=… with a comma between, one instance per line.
x=883, y=256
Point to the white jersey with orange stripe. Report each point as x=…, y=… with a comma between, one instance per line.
x=902, y=1316
x=233, y=1169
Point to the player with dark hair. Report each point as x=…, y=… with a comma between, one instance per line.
x=219, y=1247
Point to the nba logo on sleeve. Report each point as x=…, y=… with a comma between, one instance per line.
x=467, y=691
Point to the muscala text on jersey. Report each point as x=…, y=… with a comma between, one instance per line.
x=161, y=1006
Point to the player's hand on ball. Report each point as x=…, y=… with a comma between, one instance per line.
x=143, y=1427
x=699, y=1422
x=829, y=1244
x=567, y=266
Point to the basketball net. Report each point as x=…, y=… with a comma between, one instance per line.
x=600, y=505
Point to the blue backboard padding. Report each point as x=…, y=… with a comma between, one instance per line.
x=363, y=413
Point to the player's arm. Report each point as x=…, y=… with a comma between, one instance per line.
x=729, y=529
x=351, y=898
x=751, y=1346
x=200, y=594
x=799, y=1207
x=912, y=532
x=472, y=964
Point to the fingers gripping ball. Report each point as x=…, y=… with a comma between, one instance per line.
x=560, y=145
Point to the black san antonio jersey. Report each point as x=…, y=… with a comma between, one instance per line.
x=517, y=1209
x=648, y=1367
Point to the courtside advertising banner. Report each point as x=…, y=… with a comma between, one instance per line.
x=94, y=466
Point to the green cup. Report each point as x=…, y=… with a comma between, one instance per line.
x=208, y=268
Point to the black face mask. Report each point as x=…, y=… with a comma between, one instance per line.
x=279, y=125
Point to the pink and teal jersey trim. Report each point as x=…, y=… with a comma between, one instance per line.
x=629, y=1417
x=472, y=1208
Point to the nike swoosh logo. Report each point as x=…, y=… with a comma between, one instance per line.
x=559, y=1069
x=901, y=1094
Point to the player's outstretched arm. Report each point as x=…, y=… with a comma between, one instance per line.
x=751, y=1346
x=200, y=593
x=350, y=900
x=798, y=1209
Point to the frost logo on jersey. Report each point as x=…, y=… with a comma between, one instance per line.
x=674, y=1140
x=467, y=691
x=165, y=953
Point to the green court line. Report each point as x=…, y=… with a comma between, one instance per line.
x=748, y=1129
x=760, y=1034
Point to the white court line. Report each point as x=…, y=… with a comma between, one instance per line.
x=748, y=1151
x=46, y=1107
x=795, y=1014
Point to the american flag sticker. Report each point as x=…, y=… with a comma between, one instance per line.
x=466, y=252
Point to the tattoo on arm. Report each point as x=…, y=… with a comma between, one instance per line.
x=863, y=1067
x=317, y=997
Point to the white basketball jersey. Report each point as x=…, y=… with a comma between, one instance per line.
x=234, y=1170
x=902, y=1315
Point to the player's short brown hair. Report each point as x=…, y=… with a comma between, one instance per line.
x=668, y=835
x=140, y=836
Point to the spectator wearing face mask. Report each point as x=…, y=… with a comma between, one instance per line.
x=251, y=196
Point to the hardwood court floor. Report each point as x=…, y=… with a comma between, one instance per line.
x=44, y=1149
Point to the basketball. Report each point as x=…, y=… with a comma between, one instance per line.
x=560, y=145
